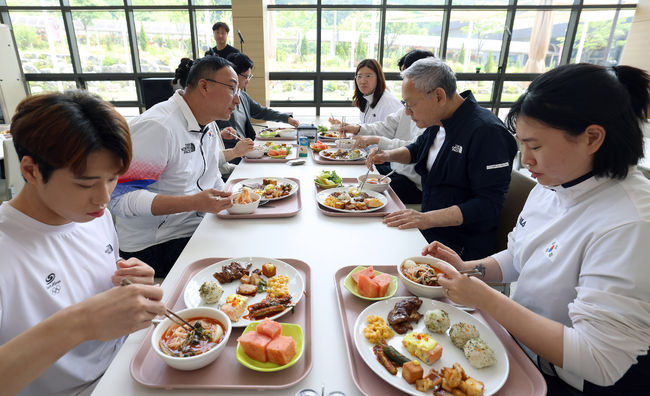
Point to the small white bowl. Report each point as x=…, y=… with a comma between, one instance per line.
x=379, y=187
x=287, y=132
x=257, y=152
x=198, y=361
x=245, y=208
x=416, y=288
x=345, y=144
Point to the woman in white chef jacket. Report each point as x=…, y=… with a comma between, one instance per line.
x=579, y=251
x=371, y=96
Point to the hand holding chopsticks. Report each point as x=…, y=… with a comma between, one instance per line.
x=170, y=314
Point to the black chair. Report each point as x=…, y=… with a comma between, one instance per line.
x=156, y=90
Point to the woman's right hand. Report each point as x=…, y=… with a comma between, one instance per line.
x=333, y=121
x=349, y=128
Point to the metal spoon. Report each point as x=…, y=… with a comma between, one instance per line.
x=386, y=175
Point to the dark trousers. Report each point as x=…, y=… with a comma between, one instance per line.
x=406, y=190
x=160, y=257
x=636, y=381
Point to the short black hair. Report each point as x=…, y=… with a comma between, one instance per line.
x=199, y=69
x=241, y=62
x=182, y=71
x=221, y=25
x=572, y=97
x=412, y=56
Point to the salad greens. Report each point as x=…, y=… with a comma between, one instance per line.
x=323, y=128
x=328, y=178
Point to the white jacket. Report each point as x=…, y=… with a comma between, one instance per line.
x=580, y=255
x=171, y=156
x=396, y=131
x=387, y=104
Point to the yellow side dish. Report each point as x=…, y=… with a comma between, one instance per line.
x=377, y=330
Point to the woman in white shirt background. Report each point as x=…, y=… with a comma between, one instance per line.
x=371, y=96
x=579, y=251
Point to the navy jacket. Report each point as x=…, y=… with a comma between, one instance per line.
x=472, y=170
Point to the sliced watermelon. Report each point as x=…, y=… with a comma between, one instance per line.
x=383, y=282
x=367, y=287
x=369, y=272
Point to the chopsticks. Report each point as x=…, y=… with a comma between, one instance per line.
x=471, y=272
x=170, y=314
x=364, y=179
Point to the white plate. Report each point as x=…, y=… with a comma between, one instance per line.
x=258, y=180
x=334, y=150
x=193, y=299
x=493, y=377
x=321, y=195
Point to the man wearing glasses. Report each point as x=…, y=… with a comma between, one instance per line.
x=465, y=166
x=174, y=176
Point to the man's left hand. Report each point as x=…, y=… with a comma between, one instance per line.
x=133, y=269
x=407, y=218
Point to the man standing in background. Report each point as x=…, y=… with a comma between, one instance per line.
x=220, y=31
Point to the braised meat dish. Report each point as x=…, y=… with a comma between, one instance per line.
x=405, y=312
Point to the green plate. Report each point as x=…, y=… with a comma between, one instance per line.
x=324, y=186
x=352, y=286
x=268, y=134
x=288, y=329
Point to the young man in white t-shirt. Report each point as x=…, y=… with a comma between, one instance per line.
x=61, y=318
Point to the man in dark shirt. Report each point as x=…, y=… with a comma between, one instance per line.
x=220, y=31
x=465, y=165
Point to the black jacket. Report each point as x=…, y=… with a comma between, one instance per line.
x=227, y=50
x=472, y=170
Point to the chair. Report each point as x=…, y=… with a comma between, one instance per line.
x=15, y=181
x=520, y=186
x=156, y=90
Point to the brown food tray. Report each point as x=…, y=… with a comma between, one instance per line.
x=226, y=372
x=292, y=155
x=286, y=207
x=523, y=379
x=319, y=160
x=394, y=204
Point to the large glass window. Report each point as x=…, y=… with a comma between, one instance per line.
x=406, y=30
x=51, y=86
x=292, y=90
x=537, y=40
x=474, y=42
x=163, y=39
x=41, y=40
x=347, y=37
x=118, y=91
x=601, y=36
x=292, y=40
x=103, y=41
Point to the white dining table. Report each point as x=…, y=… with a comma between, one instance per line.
x=325, y=243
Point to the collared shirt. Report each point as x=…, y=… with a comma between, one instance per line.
x=386, y=105
x=171, y=156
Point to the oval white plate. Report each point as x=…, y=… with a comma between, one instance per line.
x=334, y=150
x=321, y=195
x=193, y=299
x=258, y=180
x=493, y=377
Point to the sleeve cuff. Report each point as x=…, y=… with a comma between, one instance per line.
x=504, y=259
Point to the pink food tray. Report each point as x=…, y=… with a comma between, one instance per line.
x=278, y=137
x=226, y=372
x=394, y=204
x=292, y=155
x=523, y=379
x=320, y=160
x=286, y=207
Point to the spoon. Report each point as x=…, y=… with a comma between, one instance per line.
x=386, y=175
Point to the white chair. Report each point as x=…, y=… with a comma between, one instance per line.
x=14, y=181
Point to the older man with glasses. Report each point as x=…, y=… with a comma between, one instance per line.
x=174, y=177
x=465, y=166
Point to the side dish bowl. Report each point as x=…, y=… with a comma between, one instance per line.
x=376, y=187
x=418, y=289
x=198, y=361
x=244, y=208
x=256, y=152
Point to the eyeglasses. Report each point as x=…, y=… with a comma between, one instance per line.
x=410, y=107
x=247, y=77
x=235, y=89
x=366, y=76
